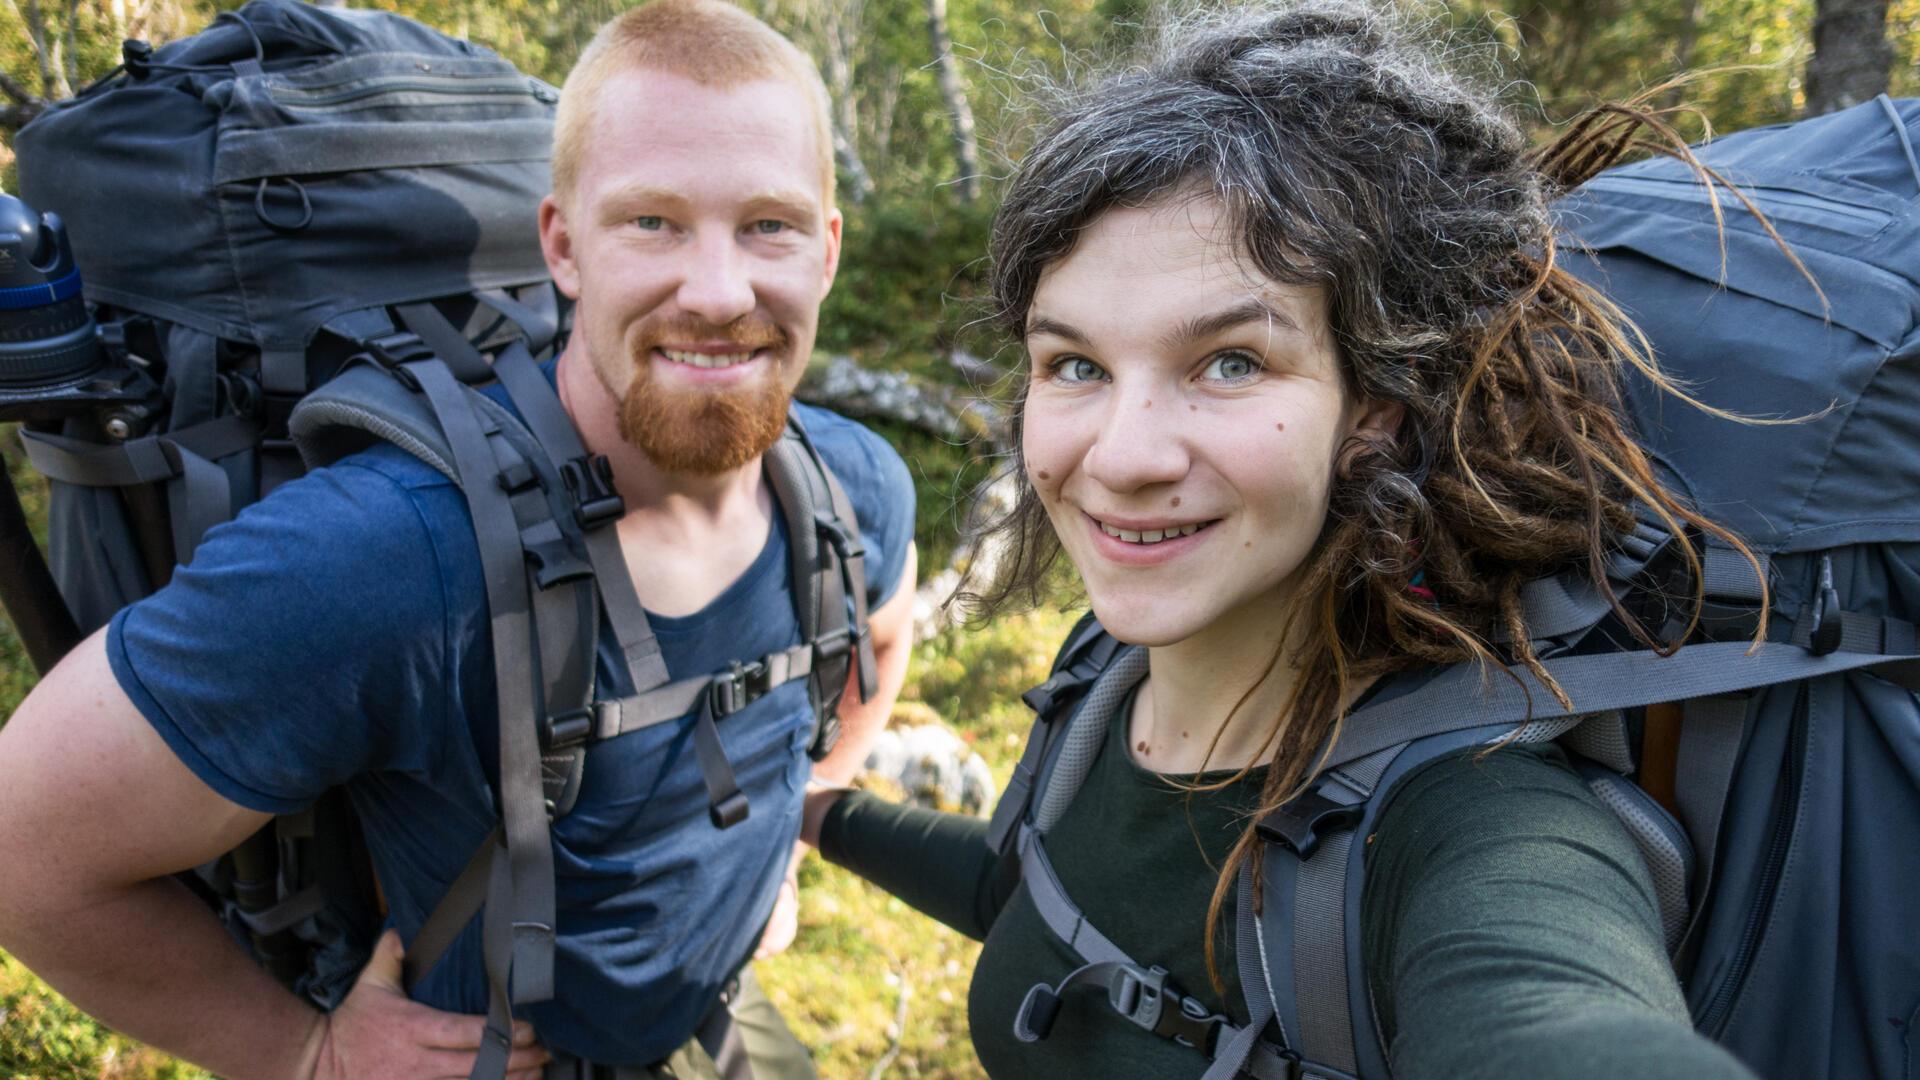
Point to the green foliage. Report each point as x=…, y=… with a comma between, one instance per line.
x=911, y=277
x=16, y=673
x=944, y=476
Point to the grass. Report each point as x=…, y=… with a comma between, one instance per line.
x=867, y=980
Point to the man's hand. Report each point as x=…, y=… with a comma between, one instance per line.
x=784, y=924
x=379, y=1032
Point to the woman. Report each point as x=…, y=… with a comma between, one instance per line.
x=1307, y=404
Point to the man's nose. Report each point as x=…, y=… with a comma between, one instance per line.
x=1137, y=445
x=716, y=284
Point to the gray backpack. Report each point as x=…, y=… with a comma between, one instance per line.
x=1788, y=880
x=305, y=231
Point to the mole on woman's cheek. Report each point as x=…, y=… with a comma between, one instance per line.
x=1176, y=500
x=1044, y=474
x=1280, y=427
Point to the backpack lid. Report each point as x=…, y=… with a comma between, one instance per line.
x=1752, y=336
x=290, y=164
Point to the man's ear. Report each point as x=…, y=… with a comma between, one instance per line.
x=556, y=245
x=834, y=225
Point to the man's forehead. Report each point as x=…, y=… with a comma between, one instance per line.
x=662, y=129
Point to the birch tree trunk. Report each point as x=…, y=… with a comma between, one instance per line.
x=953, y=88
x=1852, y=58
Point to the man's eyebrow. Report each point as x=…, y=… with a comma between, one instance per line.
x=794, y=202
x=620, y=199
x=1252, y=309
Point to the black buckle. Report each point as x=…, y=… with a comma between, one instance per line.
x=829, y=647
x=392, y=350
x=1829, y=625
x=1153, y=1001
x=563, y=731
x=1306, y=820
x=729, y=812
x=736, y=688
x=589, y=480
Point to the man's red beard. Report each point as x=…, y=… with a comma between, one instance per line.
x=703, y=431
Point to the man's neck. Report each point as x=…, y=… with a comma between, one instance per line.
x=643, y=485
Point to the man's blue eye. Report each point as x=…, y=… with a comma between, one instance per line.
x=650, y=222
x=1232, y=367
x=768, y=226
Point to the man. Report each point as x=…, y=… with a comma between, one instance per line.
x=336, y=633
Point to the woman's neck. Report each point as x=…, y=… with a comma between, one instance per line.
x=1231, y=678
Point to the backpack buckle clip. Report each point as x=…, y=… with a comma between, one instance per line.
x=566, y=730
x=1306, y=820
x=836, y=536
x=737, y=687
x=1151, y=1000
x=589, y=480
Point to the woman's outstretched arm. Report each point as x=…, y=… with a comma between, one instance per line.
x=1511, y=930
x=938, y=863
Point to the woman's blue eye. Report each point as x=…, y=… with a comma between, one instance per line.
x=1232, y=367
x=1076, y=369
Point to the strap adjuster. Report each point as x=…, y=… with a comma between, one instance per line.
x=1151, y=1000
x=736, y=688
x=1306, y=820
x=392, y=350
x=589, y=480
x=836, y=535
x=563, y=731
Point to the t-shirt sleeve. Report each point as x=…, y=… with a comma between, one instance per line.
x=303, y=645
x=1511, y=929
x=881, y=491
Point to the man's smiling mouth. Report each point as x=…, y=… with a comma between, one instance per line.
x=709, y=360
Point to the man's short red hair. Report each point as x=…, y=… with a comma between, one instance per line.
x=709, y=41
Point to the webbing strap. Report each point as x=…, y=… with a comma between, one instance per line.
x=136, y=461
x=539, y=327
x=451, y=915
x=1234, y=1049
x=1458, y=698
x=1725, y=574
x=518, y=926
x=1712, y=730
x=725, y=805
x=677, y=699
x=1320, y=954
x=540, y=407
x=197, y=499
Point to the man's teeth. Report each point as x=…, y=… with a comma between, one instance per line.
x=707, y=360
x=1151, y=536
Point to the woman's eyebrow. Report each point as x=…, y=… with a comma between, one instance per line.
x=1041, y=324
x=1251, y=309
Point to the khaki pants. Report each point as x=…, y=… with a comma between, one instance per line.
x=760, y=1036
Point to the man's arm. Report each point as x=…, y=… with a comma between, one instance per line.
x=891, y=625
x=95, y=813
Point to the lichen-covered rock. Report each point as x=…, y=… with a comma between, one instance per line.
x=930, y=765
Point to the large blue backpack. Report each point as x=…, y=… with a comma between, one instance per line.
x=1789, y=878
x=304, y=231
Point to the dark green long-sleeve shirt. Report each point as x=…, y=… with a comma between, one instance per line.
x=1509, y=927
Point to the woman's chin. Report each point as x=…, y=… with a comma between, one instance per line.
x=1146, y=622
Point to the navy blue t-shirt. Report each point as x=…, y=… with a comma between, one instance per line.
x=336, y=634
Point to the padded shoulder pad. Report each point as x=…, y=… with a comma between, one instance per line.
x=360, y=407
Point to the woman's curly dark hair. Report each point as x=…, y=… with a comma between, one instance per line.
x=1349, y=158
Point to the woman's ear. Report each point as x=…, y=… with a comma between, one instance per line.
x=1374, y=429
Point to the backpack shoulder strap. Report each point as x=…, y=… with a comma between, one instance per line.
x=1085, y=654
x=829, y=580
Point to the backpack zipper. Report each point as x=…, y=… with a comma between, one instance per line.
x=451, y=87
x=1713, y=1019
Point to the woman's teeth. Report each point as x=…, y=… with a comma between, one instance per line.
x=707, y=360
x=1152, y=536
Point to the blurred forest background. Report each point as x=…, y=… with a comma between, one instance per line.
x=928, y=117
